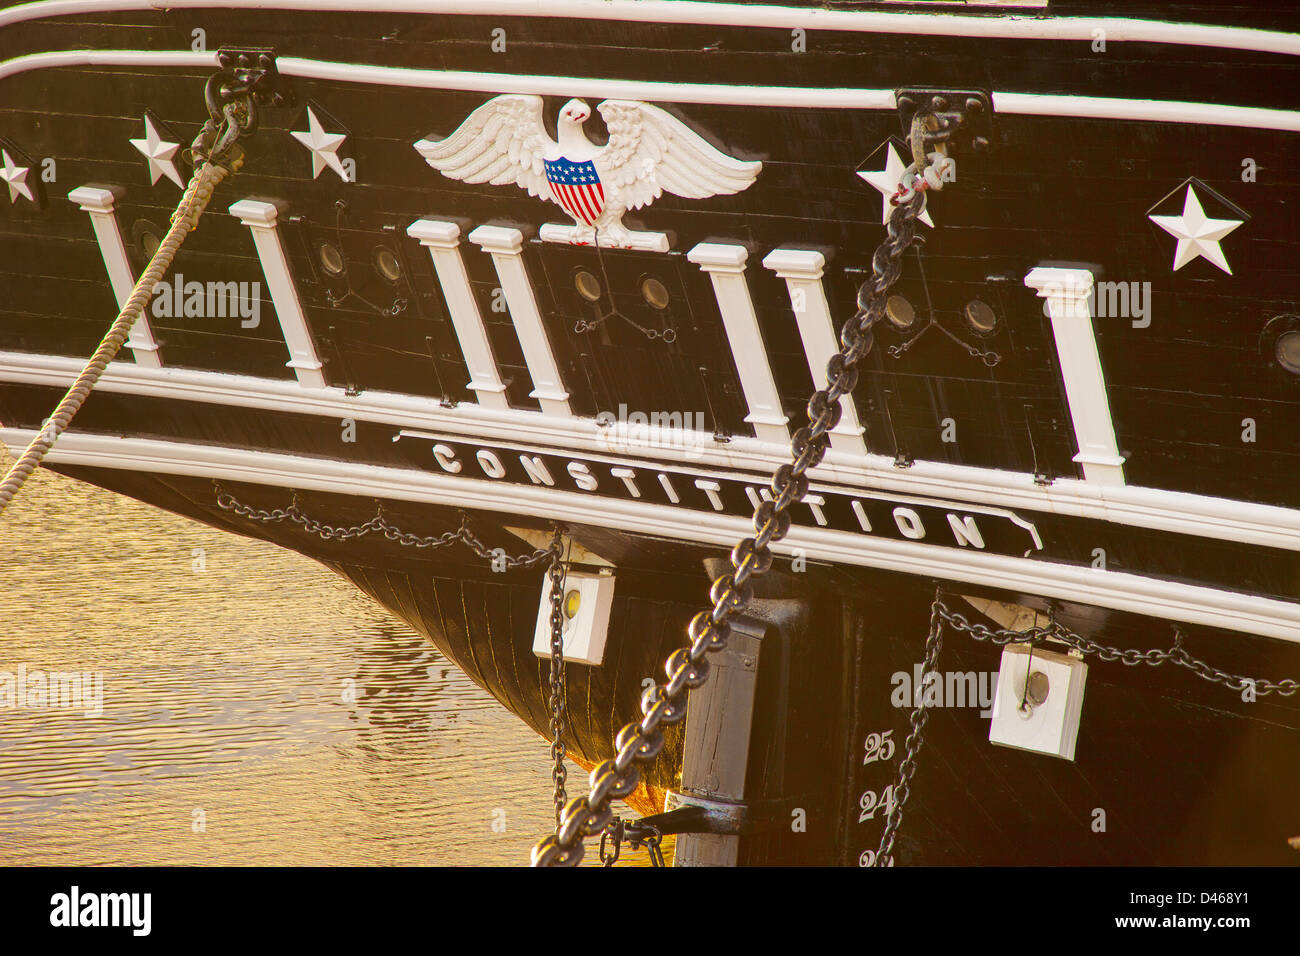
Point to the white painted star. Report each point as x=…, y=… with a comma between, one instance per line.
x=886, y=182
x=15, y=178
x=324, y=147
x=159, y=152
x=1197, y=235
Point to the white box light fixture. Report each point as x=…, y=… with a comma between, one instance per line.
x=1039, y=701
x=588, y=600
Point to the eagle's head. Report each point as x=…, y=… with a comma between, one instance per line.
x=575, y=111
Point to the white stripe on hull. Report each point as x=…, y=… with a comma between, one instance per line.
x=1010, y=103
x=1119, y=591
x=1161, y=510
x=942, y=23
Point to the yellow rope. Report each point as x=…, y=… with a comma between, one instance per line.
x=185, y=219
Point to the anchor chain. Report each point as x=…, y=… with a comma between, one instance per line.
x=1130, y=656
x=912, y=746
x=500, y=560
x=641, y=741
x=559, y=774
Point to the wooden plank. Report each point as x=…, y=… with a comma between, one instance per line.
x=715, y=759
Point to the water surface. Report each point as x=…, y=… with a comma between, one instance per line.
x=257, y=709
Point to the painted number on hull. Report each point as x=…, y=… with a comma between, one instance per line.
x=870, y=803
x=879, y=747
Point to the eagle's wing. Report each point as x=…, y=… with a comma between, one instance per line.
x=650, y=151
x=503, y=141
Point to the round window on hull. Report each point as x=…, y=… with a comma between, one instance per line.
x=980, y=317
x=588, y=285
x=386, y=264
x=654, y=292
x=331, y=259
x=146, y=238
x=1287, y=351
x=1279, y=347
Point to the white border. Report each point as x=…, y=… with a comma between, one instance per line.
x=1199, y=515
x=1023, y=104
x=754, y=484
x=1014, y=26
x=1150, y=597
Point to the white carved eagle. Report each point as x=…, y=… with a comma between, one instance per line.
x=649, y=152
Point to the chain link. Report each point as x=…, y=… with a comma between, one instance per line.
x=501, y=560
x=912, y=746
x=558, y=702
x=1176, y=654
x=641, y=741
x=636, y=834
x=613, y=835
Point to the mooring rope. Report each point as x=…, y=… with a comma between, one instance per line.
x=185, y=219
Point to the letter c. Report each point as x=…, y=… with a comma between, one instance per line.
x=447, y=458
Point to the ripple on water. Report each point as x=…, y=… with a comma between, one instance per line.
x=260, y=711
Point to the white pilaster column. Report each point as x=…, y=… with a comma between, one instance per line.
x=802, y=271
x=99, y=203
x=1067, y=292
x=725, y=265
x=442, y=239
x=506, y=247
x=260, y=218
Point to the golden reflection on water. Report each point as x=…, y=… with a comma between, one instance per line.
x=257, y=709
